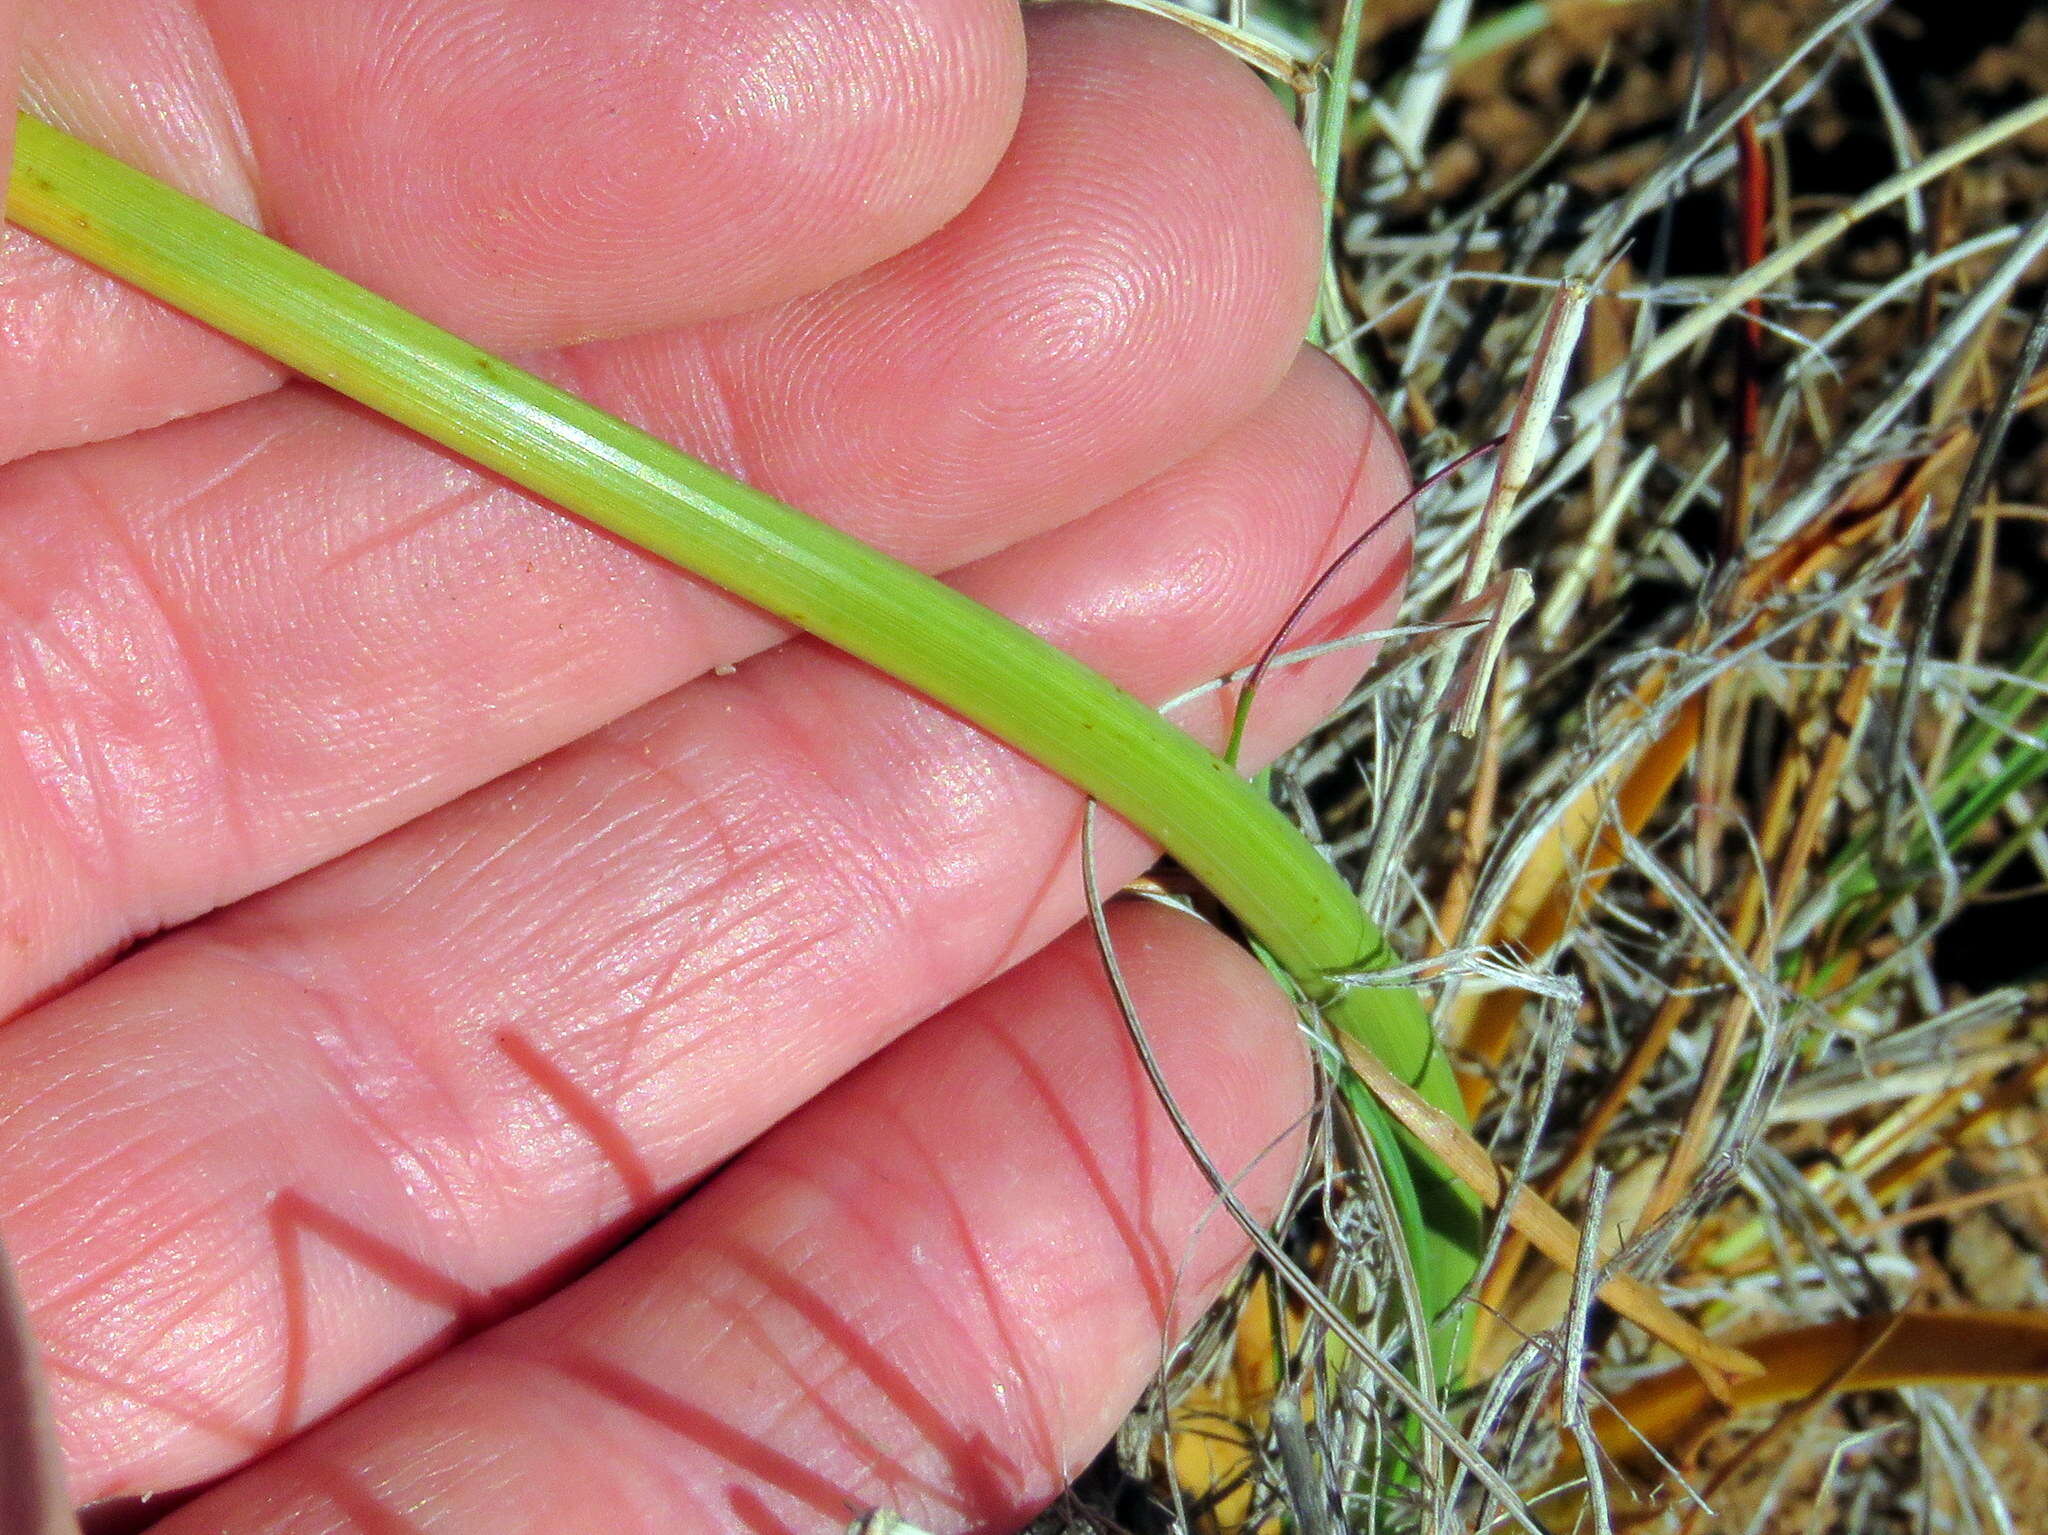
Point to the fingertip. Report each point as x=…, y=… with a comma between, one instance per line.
x=541, y=178
x=1134, y=278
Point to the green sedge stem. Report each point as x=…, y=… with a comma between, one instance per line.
x=995, y=673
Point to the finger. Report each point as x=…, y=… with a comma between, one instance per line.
x=936, y=1290
x=390, y=1100
x=526, y=172
x=236, y=647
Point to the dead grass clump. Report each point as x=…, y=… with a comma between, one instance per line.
x=1711, y=782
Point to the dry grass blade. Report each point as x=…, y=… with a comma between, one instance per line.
x=1567, y=869
x=1527, y=436
x=1729, y=902
x=1537, y=1220
x=1298, y=74
x=1674, y=1414
x=1583, y=847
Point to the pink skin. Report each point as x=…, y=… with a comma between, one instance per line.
x=1021, y=367
x=328, y=1128
x=935, y=1289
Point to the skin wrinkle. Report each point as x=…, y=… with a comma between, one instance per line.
x=830, y=1349
x=1016, y=1311
x=460, y=503
x=53, y=1096
x=39, y=277
x=869, y=869
x=90, y=1442
x=450, y=1309
x=210, y=722
x=84, y=1192
x=32, y=864
x=681, y=968
x=706, y=1044
x=1012, y=1361
x=92, y=832
x=645, y=964
x=885, y=1359
x=197, y=1306
x=429, y=1167
x=484, y=868
x=442, y=1167
x=162, y=516
x=719, y=423
x=582, y=1110
x=358, y=1505
x=98, y=1392
x=650, y=985
x=1134, y=1187
x=770, y=1300
x=70, y=384
x=621, y=1389
x=734, y=864
x=89, y=1439
x=750, y=834
x=911, y=1131
x=179, y=1256
x=798, y=845
x=453, y=1453
x=154, y=1372
x=637, y=1492
x=57, y=765
x=456, y=1458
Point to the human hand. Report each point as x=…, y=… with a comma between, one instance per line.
x=415, y=1054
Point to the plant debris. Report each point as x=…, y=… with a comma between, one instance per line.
x=1727, y=871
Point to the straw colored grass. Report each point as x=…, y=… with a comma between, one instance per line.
x=1703, y=779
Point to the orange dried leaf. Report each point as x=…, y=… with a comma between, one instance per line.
x=1675, y=1412
x=1535, y=1218
x=1217, y=1426
x=1569, y=866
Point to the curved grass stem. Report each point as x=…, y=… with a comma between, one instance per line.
x=995, y=673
